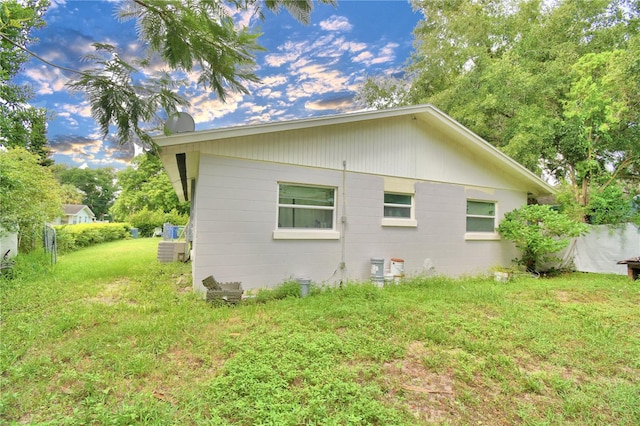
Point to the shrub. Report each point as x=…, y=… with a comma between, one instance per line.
x=538, y=231
x=73, y=237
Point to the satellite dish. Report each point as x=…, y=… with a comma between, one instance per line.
x=180, y=122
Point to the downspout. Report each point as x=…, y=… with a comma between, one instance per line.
x=343, y=221
x=192, y=218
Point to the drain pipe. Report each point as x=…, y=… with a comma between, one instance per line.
x=343, y=220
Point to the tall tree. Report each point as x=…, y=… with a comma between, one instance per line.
x=29, y=195
x=21, y=125
x=70, y=194
x=145, y=186
x=603, y=122
x=187, y=35
x=553, y=84
x=97, y=186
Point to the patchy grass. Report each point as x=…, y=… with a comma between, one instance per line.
x=109, y=336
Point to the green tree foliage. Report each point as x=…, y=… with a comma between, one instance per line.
x=602, y=121
x=29, y=195
x=609, y=205
x=556, y=85
x=97, y=186
x=70, y=194
x=146, y=221
x=145, y=185
x=384, y=92
x=187, y=35
x=21, y=125
x=538, y=232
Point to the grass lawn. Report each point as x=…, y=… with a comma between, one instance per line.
x=109, y=336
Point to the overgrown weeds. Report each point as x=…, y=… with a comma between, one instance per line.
x=109, y=336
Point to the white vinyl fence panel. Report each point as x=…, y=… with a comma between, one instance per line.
x=603, y=247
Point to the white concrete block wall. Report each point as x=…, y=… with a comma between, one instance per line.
x=236, y=203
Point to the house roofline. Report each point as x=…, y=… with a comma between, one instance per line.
x=75, y=209
x=487, y=148
x=279, y=126
x=420, y=111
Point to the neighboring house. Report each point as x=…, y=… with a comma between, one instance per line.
x=74, y=214
x=318, y=198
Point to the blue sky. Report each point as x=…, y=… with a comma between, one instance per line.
x=305, y=71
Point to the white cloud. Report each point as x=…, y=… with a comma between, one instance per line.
x=73, y=123
x=264, y=92
x=279, y=59
x=322, y=42
x=340, y=104
x=83, y=109
x=363, y=57
x=53, y=4
x=301, y=62
x=268, y=93
x=274, y=80
x=253, y=108
x=241, y=18
x=385, y=54
x=336, y=23
x=262, y=118
x=354, y=47
x=94, y=150
x=46, y=80
x=310, y=70
x=317, y=80
x=205, y=108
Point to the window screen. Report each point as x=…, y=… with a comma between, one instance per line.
x=305, y=206
x=481, y=216
x=397, y=205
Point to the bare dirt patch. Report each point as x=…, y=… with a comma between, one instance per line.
x=580, y=297
x=428, y=395
x=111, y=294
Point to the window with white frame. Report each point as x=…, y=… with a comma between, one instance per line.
x=481, y=216
x=399, y=209
x=305, y=207
x=398, y=206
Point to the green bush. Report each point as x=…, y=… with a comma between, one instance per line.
x=73, y=237
x=147, y=220
x=538, y=231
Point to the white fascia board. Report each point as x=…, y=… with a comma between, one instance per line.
x=474, y=142
x=254, y=129
x=89, y=211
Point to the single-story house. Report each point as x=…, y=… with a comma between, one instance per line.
x=74, y=214
x=322, y=198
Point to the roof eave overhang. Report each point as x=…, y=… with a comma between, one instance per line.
x=428, y=113
x=262, y=128
x=182, y=169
